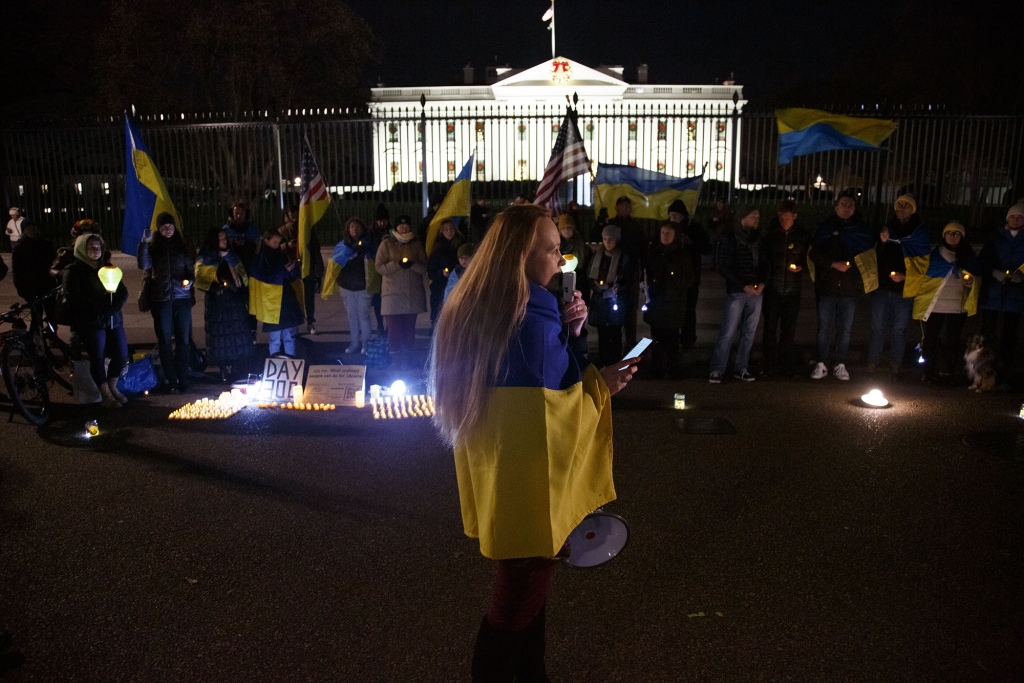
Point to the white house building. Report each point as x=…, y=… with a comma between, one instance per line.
x=510, y=125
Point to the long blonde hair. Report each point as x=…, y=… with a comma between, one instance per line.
x=479, y=319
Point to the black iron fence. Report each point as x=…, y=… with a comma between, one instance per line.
x=967, y=168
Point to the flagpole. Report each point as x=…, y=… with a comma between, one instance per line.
x=280, y=169
x=553, y=53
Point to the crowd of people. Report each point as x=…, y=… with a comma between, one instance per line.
x=387, y=279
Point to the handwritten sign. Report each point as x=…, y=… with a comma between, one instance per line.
x=280, y=377
x=337, y=384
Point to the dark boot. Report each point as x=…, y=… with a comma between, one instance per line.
x=530, y=667
x=494, y=655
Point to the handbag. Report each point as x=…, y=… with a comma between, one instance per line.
x=147, y=282
x=137, y=377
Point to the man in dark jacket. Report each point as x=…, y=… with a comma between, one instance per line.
x=837, y=283
x=738, y=259
x=695, y=240
x=634, y=245
x=890, y=311
x=784, y=251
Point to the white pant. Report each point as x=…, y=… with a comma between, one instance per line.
x=357, y=305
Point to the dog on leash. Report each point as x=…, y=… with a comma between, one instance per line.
x=980, y=361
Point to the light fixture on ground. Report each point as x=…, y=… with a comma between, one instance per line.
x=875, y=399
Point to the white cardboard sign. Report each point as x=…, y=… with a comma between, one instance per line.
x=280, y=377
x=337, y=384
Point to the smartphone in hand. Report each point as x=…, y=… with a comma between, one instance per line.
x=638, y=350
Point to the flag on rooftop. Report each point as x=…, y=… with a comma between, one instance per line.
x=651, y=192
x=146, y=196
x=568, y=160
x=313, y=202
x=455, y=204
x=805, y=131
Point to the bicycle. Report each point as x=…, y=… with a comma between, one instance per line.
x=33, y=358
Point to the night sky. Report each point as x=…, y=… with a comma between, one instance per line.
x=682, y=42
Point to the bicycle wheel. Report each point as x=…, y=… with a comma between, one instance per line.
x=25, y=378
x=61, y=360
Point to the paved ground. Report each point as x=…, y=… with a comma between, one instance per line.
x=821, y=542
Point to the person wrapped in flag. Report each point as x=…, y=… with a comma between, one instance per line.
x=221, y=275
x=530, y=422
x=903, y=236
x=843, y=266
x=275, y=294
x=945, y=292
x=349, y=270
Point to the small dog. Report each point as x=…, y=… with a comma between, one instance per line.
x=980, y=360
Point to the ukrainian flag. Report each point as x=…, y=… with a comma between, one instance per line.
x=266, y=289
x=343, y=253
x=651, y=192
x=455, y=204
x=924, y=284
x=857, y=240
x=522, y=491
x=805, y=131
x=146, y=197
x=206, y=272
x=916, y=247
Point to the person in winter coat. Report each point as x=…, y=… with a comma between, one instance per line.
x=890, y=309
x=96, y=317
x=574, y=250
x=945, y=293
x=696, y=242
x=738, y=259
x=609, y=289
x=402, y=263
x=465, y=258
x=784, y=252
x=171, y=265
x=380, y=229
x=65, y=256
x=358, y=250
x=312, y=282
x=837, y=283
x=1002, y=284
x=669, y=278
x=243, y=234
x=220, y=273
x=274, y=294
x=442, y=261
x=30, y=263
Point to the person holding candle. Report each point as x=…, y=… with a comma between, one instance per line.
x=444, y=258
x=465, y=258
x=276, y=294
x=402, y=263
x=890, y=310
x=784, y=251
x=170, y=263
x=530, y=423
x=96, y=317
x=609, y=291
x=1002, y=285
x=945, y=293
x=837, y=282
x=220, y=273
x=355, y=253
x=669, y=277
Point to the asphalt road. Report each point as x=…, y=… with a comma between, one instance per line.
x=821, y=542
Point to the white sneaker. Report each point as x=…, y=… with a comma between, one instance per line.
x=840, y=372
x=352, y=348
x=819, y=371
x=312, y=329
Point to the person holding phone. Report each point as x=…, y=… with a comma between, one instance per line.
x=529, y=419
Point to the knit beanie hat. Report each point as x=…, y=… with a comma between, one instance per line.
x=955, y=227
x=909, y=199
x=465, y=250
x=566, y=221
x=745, y=211
x=382, y=213
x=613, y=231
x=1015, y=210
x=164, y=219
x=678, y=207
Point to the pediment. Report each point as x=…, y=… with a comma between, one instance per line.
x=559, y=72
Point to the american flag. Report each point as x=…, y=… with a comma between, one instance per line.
x=568, y=160
x=313, y=202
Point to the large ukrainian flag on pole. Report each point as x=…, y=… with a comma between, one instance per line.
x=146, y=197
x=455, y=204
x=313, y=202
x=805, y=131
x=651, y=192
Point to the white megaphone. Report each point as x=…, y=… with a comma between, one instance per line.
x=598, y=539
